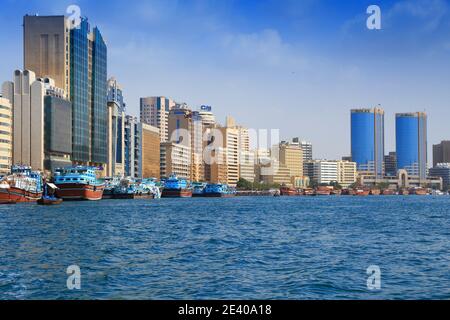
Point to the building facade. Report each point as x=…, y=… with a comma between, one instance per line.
x=291, y=155
x=367, y=140
x=306, y=147
x=175, y=159
x=441, y=153
x=322, y=171
x=411, y=138
x=390, y=164
x=77, y=59
x=442, y=170
x=5, y=136
x=132, y=145
x=347, y=173
x=149, y=160
x=154, y=111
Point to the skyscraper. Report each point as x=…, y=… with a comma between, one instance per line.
x=77, y=59
x=367, y=140
x=441, y=153
x=411, y=136
x=154, y=111
x=390, y=164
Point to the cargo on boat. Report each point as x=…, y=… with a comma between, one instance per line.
x=22, y=185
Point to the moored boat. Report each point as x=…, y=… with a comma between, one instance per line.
x=176, y=188
x=375, y=192
x=362, y=192
x=323, y=191
x=403, y=192
x=218, y=190
x=388, y=192
x=22, y=185
x=418, y=191
x=78, y=183
x=198, y=188
x=287, y=191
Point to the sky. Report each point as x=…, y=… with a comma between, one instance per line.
x=294, y=65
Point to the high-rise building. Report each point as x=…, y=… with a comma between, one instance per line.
x=46, y=45
x=306, y=147
x=224, y=152
x=41, y=122
x=116, y=132
x=390, y=164
x=132, y=145
x=175, y=159
x=149, y=151
x=347, y=173
x=57, y=128
x=247, y=166
x=27, y=97
x=5, y=136
x=275, y=173
x=411, y=136
x=77, y=59
x=291, y=156
x=208, y=118
x=322, y=171
x=154, y=111
x=442, y=170
x=367, y=140
x=441, y=153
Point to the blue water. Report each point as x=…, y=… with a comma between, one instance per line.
x=239, y=248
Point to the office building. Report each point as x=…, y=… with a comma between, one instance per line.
x=77, y=59
x=149, y=151
x=307, y=148
x=247, y=166
x=208, y=117
x=411, y=137
x=441, y=153
x=274, y=173
x=442, y=170
x=175, y=159
x=116, y=132
x=291, y=156
x=132, y=146
x=154, y=111
x=347, y=173
x=5, y=136
x=367, y=140
x=57, y=128
x=390, y=164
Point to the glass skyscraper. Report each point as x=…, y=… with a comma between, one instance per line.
x=367, y=140
x=411, y=136
x=76, y=59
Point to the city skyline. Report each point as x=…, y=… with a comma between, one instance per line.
x=291, y=69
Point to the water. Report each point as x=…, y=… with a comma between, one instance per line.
x=240, y=248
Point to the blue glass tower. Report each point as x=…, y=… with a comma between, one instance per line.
x=411, y=136
x=367, y=140
x=88, y=86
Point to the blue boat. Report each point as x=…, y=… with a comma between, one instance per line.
x=176, y=188
x=218, y=190
x=198, y=188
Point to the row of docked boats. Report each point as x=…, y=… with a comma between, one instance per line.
x=328, y=191
x=180, y=188
x=83, y=183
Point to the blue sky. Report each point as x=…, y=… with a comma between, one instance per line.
x=298, y=66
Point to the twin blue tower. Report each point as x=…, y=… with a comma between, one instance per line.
x=367, y=142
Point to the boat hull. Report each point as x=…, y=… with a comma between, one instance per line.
x=49, y=202
x=218, y=195
x=16, y=195
x=73, y=192
x=176, y=193
x=133, y=196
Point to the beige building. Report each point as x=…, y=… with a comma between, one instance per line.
x=291, y=155
x=150, y=155
x=347, y=174
x=5, y=136
x=247, y=166
x=175, y=159
x=154, y=111
x=47, y=48
x=274, y=173
x=27, y=97
x=221, y=155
